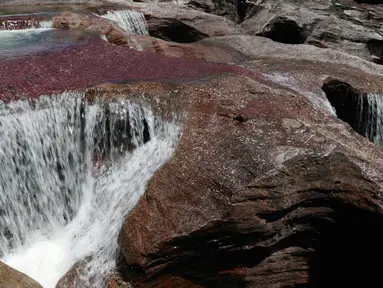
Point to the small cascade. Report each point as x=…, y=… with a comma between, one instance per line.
x=18, y=24
x=372, y=111
x=363, y=112
x=130, y=21
x=46, y=24
x=70, y=172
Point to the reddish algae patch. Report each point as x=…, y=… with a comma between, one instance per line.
x=92, y=62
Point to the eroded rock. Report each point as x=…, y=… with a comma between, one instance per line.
x=88, y=22
x=167, y=21
x=272, y=195
x=345, y=26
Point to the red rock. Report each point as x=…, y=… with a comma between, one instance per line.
x=265, y=189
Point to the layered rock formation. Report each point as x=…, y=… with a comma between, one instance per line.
x=271, y=196
x=343, y=25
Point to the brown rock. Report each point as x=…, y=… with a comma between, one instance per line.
x=346, y=25
x=350, y=26
x=91, y=23
x=181, y=24
x=164, y=16
x=267, y=188
x=185, y=50
x=76, y=276
x=11, y=278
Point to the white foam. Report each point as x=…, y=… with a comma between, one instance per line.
x=374, y=119
x=131, y=21
x=46, y=245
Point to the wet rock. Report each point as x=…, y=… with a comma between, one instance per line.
x=173, y=30
x=284, y=31
x=75, y=276
x=167, y=20
x=276, y=200
x=348, y=103
x=91, y=23
x=93, y=62
x=226, y=9
x=254, y=47
x=345, y=26
x=78, y=276
x=11, y=278
x=185, y=50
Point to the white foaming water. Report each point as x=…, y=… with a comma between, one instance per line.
x=56, y=207
x=46, y=24
x=21, y=25
x=130, y=21
x=374, y=117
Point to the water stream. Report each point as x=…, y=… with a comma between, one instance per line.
x=130, y=21
x=70, y=172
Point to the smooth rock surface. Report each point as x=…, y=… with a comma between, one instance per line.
x=11, y=278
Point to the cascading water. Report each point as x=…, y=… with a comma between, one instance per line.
x=373, y=117
x=18, y=24
x=130, y=21
x=70, y=172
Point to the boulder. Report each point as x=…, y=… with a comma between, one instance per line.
x=91, y=23
x=345, y=25
x=163, y=17
x=180, y=24
x=11, y=278
x=267, y=187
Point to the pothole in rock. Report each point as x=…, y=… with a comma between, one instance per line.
x=347, y=248
x=376, y=51
x=362, y=111
x=285, y=31
x=173, y=30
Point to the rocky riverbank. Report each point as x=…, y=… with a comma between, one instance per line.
x=275, y=181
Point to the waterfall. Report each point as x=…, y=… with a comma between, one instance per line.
x=18, y=24
x=23, y=22
x=70, y=171
x=46, y=24
x=373, y=117
x=130, y=21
